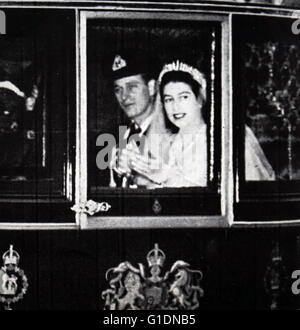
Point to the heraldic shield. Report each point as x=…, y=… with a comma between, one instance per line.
x=131, y=288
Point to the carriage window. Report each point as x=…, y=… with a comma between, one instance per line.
x=154, y=114
x=267, y=118
x=37, y=80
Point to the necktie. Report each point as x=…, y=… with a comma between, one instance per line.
x=134, y=129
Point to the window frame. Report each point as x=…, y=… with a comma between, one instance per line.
x=98, y=221
x=244, y=199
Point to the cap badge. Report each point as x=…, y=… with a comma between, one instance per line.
x=119, y=63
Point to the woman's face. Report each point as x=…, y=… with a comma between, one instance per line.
x=182, y=106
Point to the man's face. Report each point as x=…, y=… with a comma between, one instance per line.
x=133, y=95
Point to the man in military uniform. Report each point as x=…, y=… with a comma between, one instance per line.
x=135, y=90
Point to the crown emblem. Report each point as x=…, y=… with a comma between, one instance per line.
x=13, y=281
x=131, y=288
x=11, y=257
x=119, y=63
x=156, y=257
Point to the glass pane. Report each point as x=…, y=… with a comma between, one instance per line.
x=108, y=115
x=157, y=108
x=37, y=97
x=272, y=103
x=266, y=114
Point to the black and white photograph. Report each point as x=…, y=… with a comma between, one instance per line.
x=150, y=158
x=154, y=119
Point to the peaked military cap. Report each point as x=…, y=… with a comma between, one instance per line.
x=125, y=66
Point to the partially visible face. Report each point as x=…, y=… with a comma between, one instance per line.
x=132, y=94
x=182, y=106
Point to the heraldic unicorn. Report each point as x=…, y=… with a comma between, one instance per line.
x=131, y=289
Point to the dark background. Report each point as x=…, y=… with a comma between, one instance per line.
x=38, y=48
x=266, y=55
x=66, y=269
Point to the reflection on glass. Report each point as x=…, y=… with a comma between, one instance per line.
x=273, y=104
x=18, y=119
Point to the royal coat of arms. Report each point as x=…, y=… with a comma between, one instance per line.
x=131, y=288
x=13, y=281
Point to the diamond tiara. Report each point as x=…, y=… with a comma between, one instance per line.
x=180, y=66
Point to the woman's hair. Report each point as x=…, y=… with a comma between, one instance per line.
x=179, y=76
